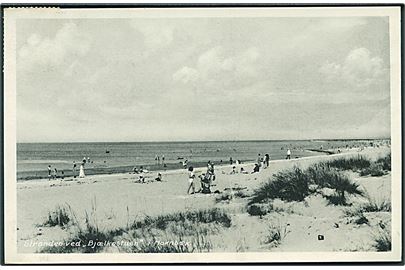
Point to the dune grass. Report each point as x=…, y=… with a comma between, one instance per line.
x=296, y=184
x=276, y=232
x=385, y=162
x=356, y=163
x=198, y=216
x=288, y=185
x=60, y=216
x=382, y=240
x=177, y=232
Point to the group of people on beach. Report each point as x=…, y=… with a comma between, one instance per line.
x=53, y=174
x=160, y=160
x=206, y=179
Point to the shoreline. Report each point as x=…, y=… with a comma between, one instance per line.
x=42, y=175
x=199, y=167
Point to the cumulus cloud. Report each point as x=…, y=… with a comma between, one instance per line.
x=185, y=75
x=157, y=33
x=41, y=51
x=359, y=69
x=220, y=68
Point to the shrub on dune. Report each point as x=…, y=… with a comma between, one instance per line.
x=353, y=163
x=259, y=209
x=276, y=232
x=296, y=184
x=382, y=240
x=375, y=169
x=61, y=216
x=289, y=185
x=385, y=162
x=343, y=186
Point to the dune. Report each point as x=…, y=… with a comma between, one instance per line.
x=118, y=200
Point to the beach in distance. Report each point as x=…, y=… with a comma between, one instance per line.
x=245, y=211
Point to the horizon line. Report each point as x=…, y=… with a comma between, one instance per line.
x=199, y=141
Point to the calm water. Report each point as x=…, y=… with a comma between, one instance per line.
x=34, y=157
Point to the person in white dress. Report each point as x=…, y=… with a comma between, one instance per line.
x=81, y=173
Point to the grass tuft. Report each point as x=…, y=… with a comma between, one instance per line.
x=58, y=217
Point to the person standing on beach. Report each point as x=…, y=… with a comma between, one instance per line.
x=185, y=163
x=163, y=160
x=230, y=161
x=156, y=159
x=55, y=173
x=259, y=160
x=81, y=173
x=74, y=169
x=49, y=172
x=191, y=177
x=266, y=160
x=288, y=153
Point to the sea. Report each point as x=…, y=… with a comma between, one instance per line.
x=115, y=157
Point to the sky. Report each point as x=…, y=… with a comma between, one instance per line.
x=192, y=79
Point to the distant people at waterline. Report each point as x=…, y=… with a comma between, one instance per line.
x=74, y=169
x=288, y=154
x=81, y=172
x=55, y=173
x=135, y=170
x=185, y=163
x=49, y=172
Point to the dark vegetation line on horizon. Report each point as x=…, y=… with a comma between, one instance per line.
x=211, y=141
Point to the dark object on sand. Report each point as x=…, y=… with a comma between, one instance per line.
x=206, y=182
x=107, y=151
x=321, y=237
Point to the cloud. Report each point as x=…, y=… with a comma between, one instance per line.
x=157, y=33
x=185, y=75
x=44, y=51
x=219, y=68
x=359, y=69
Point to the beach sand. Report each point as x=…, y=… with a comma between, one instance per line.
x=120, y=200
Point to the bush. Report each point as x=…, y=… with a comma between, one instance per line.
x=342, y=185
x=373, y=206
x=296, y=184
x=385, y=162
x=58, y=217
x=289, y=185
x=375, y=169
x=259, y=209
x=353, y=163
x=382, y=241
x=275, y=234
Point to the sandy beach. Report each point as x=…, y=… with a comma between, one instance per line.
x=119, y=200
